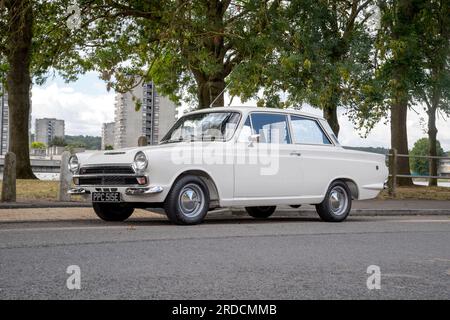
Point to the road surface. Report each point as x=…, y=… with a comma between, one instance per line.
x=225, y=258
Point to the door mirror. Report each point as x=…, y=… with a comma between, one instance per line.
x=254, y=138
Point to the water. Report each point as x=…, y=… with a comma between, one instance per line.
x=440, y=183
x=47, y=176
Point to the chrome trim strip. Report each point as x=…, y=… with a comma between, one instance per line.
x=95, y=175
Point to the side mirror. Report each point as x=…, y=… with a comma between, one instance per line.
x=254, y=138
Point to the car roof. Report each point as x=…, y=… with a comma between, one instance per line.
x=247, y=109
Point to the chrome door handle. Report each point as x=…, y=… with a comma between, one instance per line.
x=295, y=153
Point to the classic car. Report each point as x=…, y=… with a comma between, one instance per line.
x=257, y=158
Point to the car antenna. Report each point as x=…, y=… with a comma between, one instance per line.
x=210, y=105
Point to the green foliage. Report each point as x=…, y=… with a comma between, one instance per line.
x=109, y=147
x=58, y=141
x=88, y=142
x=320, y=53
x=421, y=165
x=38, y=145
x=434, y=89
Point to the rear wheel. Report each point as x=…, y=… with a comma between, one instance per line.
x=187, y=201
x=337, y=203
x=113, y=211
x=260, y=212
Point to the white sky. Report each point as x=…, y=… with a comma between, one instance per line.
x=85, y=105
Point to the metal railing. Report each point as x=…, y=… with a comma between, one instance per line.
x=392, y=160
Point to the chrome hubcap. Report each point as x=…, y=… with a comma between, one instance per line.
x=338, y=200
x=191, y=200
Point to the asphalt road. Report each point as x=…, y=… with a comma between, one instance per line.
x=281, y=258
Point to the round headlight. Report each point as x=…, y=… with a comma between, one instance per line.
x=140, y=161
x=74, y=165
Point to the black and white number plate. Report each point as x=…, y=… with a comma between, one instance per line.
x=105, y=196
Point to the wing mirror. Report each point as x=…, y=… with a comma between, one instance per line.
x=254, y=138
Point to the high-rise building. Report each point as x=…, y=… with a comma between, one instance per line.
x=108, y=135
x=4, y=121
x=47, y=129
x=154, y=118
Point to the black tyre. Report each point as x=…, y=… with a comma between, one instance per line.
x=337, y=203
x=113, y=211
x=187, y=201
x=260, y=212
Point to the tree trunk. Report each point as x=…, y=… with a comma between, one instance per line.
x=210, y=91
x=399, y=139
x=330, y=114
x=18, y=80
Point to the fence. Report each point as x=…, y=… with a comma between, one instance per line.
x=393, y=157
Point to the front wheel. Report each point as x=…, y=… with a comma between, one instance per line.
x=337, y=203
x=187, y=201
x=113, y=211
x=260, y=212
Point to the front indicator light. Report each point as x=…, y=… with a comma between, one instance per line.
x=141, y=180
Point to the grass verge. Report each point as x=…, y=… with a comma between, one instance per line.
x=418, y=193
x=30, y=190
x=38, y=190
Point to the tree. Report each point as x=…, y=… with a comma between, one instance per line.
x=400, y=69
x=16, y=46
x=33, y=38
x=421, y=147
x=58, y=141
x=320, y=53
x=109, y=147
x=434, y=90
x=38, y=145
x=185, y=47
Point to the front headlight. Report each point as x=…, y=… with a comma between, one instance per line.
x=74, y=165
x=140, y=162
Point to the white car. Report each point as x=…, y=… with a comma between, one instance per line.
x=256, y=158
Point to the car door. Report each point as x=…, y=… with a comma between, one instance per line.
x=316, y=158
x=267, y=167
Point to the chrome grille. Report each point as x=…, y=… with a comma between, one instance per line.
x=107, y=170
x=108, y=181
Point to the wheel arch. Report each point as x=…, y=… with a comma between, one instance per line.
x=351, y=184
x=209, y=182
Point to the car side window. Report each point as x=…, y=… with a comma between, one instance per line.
x=307, y=131
x=271, y=127
x=246, y=131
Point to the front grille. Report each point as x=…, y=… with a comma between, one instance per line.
x=108, y=181
x=107, y=170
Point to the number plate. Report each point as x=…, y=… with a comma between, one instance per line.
x=105, y=196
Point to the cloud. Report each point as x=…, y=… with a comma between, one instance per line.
x=83, y=113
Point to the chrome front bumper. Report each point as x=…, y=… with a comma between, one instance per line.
x=77, y=191
x=143, y=190
x=132, y=191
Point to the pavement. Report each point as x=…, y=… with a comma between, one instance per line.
x=228, y=257
x=58, y=211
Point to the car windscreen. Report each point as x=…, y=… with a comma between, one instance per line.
x=205, y=126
